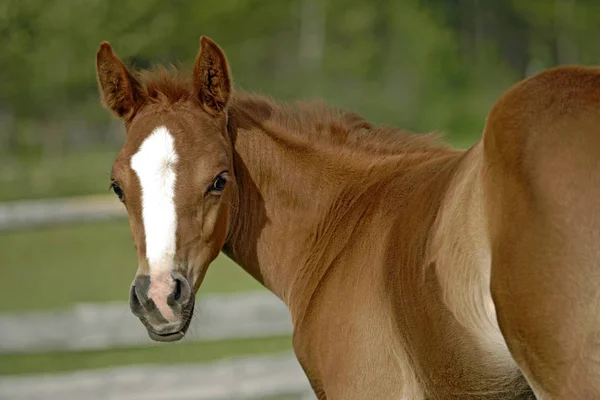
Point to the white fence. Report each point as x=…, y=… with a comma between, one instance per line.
x=251, y=378
x=33, y=213
x=103, y=326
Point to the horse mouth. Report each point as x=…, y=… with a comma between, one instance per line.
x=174, y=335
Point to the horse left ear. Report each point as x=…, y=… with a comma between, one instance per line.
x=211, y=77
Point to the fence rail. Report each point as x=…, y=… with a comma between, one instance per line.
x=104, y=326
x=34, y=213
x=240, y=379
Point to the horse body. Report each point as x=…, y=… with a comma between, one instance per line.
x=409, y=269
x=349, y=246
x=371, y=297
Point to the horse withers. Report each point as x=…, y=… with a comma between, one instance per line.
x=411, y=270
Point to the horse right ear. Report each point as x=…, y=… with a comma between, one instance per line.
x=120, y=92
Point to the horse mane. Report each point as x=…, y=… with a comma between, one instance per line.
x=313, y=121
x=169, y=85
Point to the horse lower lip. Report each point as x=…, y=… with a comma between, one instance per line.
x=167, y=337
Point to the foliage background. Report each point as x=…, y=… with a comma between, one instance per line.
x=420, y=64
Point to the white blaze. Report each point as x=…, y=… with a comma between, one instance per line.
x=154, y=164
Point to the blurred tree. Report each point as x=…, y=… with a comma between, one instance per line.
x=421, y=64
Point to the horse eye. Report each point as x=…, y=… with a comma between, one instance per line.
x=219, y=184
x=117, y=189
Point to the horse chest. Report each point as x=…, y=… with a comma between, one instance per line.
x=348, y=349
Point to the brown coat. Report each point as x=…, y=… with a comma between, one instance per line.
x=411, y=270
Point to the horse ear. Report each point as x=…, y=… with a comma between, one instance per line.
x=211, y=77
x=120, y=92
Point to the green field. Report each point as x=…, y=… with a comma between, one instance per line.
x=72, y=174
x=166, y=353
x=57, y=267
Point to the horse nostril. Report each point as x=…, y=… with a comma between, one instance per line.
x=181, y=291
x=133, y=295
x=177, y=292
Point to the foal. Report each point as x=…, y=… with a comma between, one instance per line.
x=411, y=270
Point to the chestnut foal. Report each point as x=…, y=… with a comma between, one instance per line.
x=411, y=270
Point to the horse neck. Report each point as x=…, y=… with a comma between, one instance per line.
x=297, y=204
x=286, y=191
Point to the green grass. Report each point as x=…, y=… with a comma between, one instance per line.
x=60, y=266
x=73, y=174
x=164, y=354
